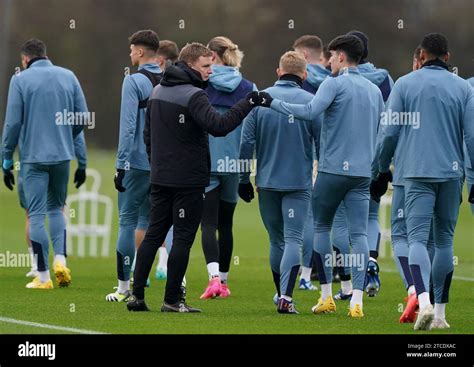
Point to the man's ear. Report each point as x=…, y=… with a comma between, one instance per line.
x=305, y=53
x=305, y=75
x=24, y=60
x=278, y=71
x=422, y=56
x=447, y=57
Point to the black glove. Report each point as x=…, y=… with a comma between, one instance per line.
x=471, y=195
x=380, y=186
x=8, y=177
x=118, y=178
x=374, y=191
x=80, y=177
x=265, y=99
x=252, y=98
x=246, y=192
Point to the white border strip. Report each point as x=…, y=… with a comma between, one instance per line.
x=47, y=326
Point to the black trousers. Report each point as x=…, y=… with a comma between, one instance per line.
x=217, y=217
x=170, y=206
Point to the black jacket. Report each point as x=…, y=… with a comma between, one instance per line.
x=178, y=119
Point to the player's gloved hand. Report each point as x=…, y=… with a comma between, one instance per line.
x=471, y=195
x=374, y=191
x=80, y=177
x=246, y=192
x=8, y=177
x=252, y=98
x=265, y=99
x=118, y=178
x=383, y=179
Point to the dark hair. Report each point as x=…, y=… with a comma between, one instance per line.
x=435, y=44
x=169, y=50
x=351, y=45
x=309, y=41
x=34, y=48
x=147, y=38
x=365, y=42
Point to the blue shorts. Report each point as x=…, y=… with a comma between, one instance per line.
x=228, y=186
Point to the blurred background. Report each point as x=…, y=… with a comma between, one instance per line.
x=90, y=37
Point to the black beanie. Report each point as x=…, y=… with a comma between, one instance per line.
x=365, y=41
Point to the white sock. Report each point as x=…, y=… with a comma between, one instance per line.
x=356, y=297
x=60, y=259
x=372, y=259
x=44, y=276
x=123, y=286
x=163, y=259
x=411, y=290
x=132, y=269
x=286, y=297
x=305, y=273
x=440, y=311
x=346, y=286
x=326, y=291
x=424, y=300
x=34, y=264
x=213, y=269
x=223, y=277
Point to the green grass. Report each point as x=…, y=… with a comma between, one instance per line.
x=248, y=310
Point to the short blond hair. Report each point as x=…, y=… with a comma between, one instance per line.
x=293, y=62
x=227, y=50
x=193, y=51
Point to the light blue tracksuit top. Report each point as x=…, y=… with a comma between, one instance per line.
x=380, y=77
x=225, y=79
x=316, y=74
x=352, y=106
x=284, y=148
x=131, y=151
x=467, y=163
x=433, y=147
x=37, y=99
x=80, y=150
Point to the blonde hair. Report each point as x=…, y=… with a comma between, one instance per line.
x=293, y=62
x=193, y=51
x=227, y=50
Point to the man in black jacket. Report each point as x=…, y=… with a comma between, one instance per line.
x=178, y=120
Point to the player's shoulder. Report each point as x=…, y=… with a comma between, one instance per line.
x=63, y=71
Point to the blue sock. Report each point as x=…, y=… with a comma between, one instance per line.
x=125, y=251
x=39, y=240
x=420, y=267
x=57, y=230
x=400, y=251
